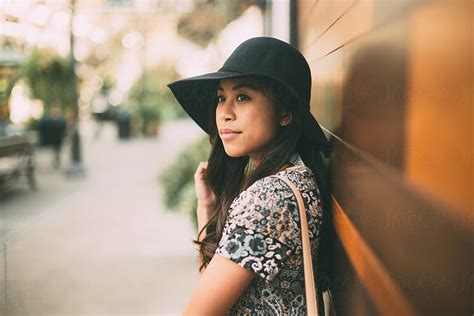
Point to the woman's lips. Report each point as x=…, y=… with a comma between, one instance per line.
x=229, y=135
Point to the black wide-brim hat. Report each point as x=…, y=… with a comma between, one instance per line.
x=259, y=56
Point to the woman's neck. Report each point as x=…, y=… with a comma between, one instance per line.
x=254, y=160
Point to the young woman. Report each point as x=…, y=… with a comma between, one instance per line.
x=256, y=111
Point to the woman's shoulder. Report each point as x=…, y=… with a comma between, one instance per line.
x=272, y=186
x=272, y=192
x=264, y=192
x=301, y=176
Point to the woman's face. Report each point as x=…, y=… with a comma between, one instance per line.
x=246, y=119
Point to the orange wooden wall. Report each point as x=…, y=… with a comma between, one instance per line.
x=392, y=85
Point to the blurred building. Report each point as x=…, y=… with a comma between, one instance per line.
x=392, y=87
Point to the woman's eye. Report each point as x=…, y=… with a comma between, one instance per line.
x=242, y=97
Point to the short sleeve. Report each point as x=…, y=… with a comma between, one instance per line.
x=262, y=228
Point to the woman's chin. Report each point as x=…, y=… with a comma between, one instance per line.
x=231, y=152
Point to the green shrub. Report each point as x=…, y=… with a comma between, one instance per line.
x=178, y=180
x=152, y=98
x=49, y=77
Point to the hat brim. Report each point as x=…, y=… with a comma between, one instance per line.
x=196, y=94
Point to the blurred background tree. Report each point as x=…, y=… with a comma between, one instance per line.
x=208, y=18
x=48, y=76
x=107, y=84
x=6, y=85
x=10, y=72
x=177, y=180
x=151, y=101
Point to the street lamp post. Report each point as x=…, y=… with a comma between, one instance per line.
x=76, y=167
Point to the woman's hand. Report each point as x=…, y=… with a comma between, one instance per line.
x=205, y=196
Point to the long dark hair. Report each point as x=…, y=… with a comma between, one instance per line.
x=228, y=176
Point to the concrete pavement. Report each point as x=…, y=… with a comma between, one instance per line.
x=105, y=245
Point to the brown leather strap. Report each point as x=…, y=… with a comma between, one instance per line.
x=310, y=286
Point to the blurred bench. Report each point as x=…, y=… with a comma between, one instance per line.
x=16, y=159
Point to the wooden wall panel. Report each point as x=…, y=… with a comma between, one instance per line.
x=351, y=23
x=363, y=84
x=440, y=120
x=326, y=12
x=388, y=87
x=304, y=8
x=425, y=252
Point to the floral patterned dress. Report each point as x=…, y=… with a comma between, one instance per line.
x=262, y=234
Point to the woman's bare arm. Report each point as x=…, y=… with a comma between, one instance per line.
x=218, y=288
x=202, y=219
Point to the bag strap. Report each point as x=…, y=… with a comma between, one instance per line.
x=310, y=287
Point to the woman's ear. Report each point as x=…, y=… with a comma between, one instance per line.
x=285, y=118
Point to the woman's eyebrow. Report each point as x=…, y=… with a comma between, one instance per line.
x=240, y=85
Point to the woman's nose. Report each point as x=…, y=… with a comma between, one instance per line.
x=226, y=111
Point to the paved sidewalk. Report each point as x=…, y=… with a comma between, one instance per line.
x=106, y=245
